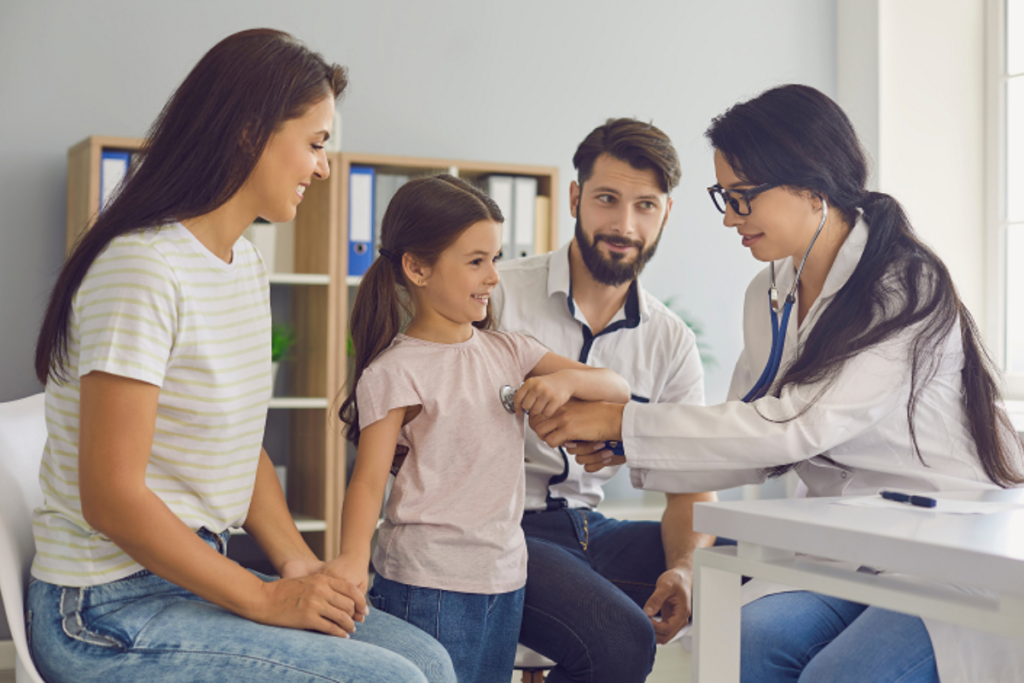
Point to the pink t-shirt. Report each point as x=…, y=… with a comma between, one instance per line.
x=452, y=520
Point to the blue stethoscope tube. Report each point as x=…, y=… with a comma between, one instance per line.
x=771, y=369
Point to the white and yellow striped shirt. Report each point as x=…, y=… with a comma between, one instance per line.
x=158, y=307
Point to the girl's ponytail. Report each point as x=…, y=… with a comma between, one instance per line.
x=377, y=318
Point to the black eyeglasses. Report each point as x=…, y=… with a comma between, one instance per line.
x=739, y=200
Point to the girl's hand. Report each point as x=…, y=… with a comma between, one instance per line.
x=593, y=455
x=543, y=395
x=351, y=570
x=297, y=568
x=316, y=602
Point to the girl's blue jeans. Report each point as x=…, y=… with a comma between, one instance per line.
x=143, y=628
x=479, y=631
x=812, y=638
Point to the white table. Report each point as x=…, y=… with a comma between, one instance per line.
x=983, y=551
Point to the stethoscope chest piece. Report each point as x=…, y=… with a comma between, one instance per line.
x=508, y=398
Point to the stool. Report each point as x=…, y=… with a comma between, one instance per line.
x=531, y=664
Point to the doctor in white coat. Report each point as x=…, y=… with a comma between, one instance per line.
x=883, y=382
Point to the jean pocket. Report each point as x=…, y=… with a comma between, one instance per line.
x=75, y=623
x=377, y=601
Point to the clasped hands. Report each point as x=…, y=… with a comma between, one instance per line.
x=582, y=428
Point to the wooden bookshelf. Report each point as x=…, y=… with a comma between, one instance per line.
x=318, y=312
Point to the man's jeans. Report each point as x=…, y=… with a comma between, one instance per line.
x=812, y=638
x=478, y=630
x=588, y=580
x=143, y=628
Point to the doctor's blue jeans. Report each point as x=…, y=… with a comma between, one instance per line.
x=143, y=628
x=813, y=638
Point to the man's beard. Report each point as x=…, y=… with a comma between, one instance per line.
x=614, y=271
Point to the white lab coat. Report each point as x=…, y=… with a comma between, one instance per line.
x=859, y=422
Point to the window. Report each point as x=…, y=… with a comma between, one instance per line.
x=1007, y=98
x=1013, y=84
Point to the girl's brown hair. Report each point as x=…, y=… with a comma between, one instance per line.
x=425, y=217
x=199, y=152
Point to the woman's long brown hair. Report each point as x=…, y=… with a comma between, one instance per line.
x=424, y=218
x=197, y=155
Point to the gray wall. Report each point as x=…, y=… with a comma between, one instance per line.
x=520, y=81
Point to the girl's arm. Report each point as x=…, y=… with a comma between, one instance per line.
x=556, y=379
x=117, y=422
x=364, y=497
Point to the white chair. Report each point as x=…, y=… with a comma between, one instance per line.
x=532, y=665
x=22, y=438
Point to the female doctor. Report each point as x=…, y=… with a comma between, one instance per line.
x=884, y=383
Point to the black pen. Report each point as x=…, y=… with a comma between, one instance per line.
x=919, y=501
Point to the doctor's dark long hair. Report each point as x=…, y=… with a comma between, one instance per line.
x=796, y=136
x=199, y=152
x=424, y=218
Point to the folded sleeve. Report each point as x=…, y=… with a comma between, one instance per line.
x=528, y=351
x=381, y=389
x=126, y=313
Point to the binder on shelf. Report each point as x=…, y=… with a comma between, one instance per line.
x=499, y=188
x=524, y=216
x=385, y=186
x=113, y=169
x=360, y=219
x=542, y=223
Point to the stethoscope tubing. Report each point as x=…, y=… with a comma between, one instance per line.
x=771, y=368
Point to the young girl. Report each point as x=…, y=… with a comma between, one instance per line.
x=450, y=556
x=155, y=350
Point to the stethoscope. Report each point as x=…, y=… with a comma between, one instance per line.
x=764, y=383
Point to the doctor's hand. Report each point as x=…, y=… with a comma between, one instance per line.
x=580, y=421
x=672, y=598
x=593, y=455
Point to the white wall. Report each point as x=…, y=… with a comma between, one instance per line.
x=520, y=81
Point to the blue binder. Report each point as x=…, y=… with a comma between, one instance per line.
x=113, y=168
x=360, y=219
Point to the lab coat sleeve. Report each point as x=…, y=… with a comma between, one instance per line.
x=737, y=436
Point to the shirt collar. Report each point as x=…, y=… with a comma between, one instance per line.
x=841, y=270
x=560, y=282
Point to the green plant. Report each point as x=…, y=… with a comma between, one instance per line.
x=282, y=337
x=703, y=348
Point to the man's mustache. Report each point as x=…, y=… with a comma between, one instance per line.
x=619, y=241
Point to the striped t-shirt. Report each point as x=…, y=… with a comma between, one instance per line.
x=158, y=307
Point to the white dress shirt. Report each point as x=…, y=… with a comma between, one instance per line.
x=644, y=342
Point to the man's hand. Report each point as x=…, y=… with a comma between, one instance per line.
x=671, y=597
x=580, y=421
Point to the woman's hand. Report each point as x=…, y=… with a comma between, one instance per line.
x=593, y=455
x=580, y=421
x=544, y=394
x=315, y=602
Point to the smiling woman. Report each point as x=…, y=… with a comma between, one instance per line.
x=155, y=350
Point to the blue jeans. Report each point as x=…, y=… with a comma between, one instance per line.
x=588, y=580
x=479, y=631
x=143, y=628
x=807, y=637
